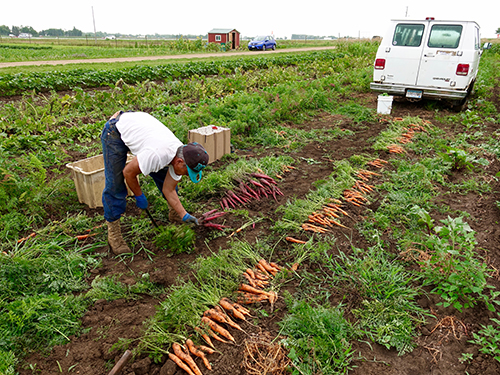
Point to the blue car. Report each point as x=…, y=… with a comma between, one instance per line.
x=262, y=43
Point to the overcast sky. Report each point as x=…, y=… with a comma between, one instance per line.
x=356, y=18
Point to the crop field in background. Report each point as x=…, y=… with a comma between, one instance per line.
x=385, y=228
x=40, y=49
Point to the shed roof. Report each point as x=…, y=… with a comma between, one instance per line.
x=221, y=31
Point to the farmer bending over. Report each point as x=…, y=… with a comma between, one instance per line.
x=157, y=153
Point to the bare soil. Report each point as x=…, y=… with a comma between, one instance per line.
x=440, y=344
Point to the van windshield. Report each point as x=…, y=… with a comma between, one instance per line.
x=408, y=35
x=445, y=36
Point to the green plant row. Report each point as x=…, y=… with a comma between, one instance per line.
x=16, y=84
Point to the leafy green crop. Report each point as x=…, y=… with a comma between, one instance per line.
x=318, y=338
x=451, y=265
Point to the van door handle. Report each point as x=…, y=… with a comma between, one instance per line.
x=429, y=55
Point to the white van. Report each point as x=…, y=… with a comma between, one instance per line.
x=428, y=59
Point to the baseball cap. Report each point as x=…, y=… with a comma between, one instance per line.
x=196, y=158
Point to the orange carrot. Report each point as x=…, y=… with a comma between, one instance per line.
x=273, y=297
x=295, y=266
x=217, y=337
x=197, y=352
x=250, y=289
x=85, y=236
x=205, y=336
x=260, y=276
x=261, y=283
x=262, y=269
x=241, y=309
x=248, y=298
x=206, y=349
x=250, y=280
x=25, y=238
x=221, y=318
x=186, y=358
x=228, y=306
x=337, y=223
x=250, y=273
x=180, y=363
x=217, y=328
x=275, y=265
x=268, y=267
x=228, y=320
x=291, y=239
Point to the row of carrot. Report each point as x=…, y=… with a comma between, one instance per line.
x=215, y=318
x=253, y=187
x=406, y=138
x=330, y=214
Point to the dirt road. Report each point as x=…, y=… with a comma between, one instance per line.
x=164, y=57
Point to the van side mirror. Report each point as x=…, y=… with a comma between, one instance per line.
x=487, y=45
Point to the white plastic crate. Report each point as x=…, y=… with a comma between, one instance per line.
x=88, y=175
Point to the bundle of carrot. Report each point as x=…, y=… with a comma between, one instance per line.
x=355, y=197
x=325, y=218
x=366, y=175
x=314, y=228
x=395, y=149
x=215, y=318
x=207, y=217
x=255, y=186
x=377, y=163
x=258, y=279
x=182, y=358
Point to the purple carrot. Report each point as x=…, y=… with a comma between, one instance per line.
x=213, y=217
x=273, y=192
x=253, y=182
x=234, y=196
x=278, y=191
x=208, y=213
x=231, y=202
x=216, y=226
x=263, y=191
x=264, y=176
x=253, y=192
x=224, y=203
x=264, y=182
x=246, y=195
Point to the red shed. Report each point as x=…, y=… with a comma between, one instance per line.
x=223, y=36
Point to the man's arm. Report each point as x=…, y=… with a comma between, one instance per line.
x=173, y=199
x=130, y=172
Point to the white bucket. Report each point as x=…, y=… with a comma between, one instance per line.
x=384, y=104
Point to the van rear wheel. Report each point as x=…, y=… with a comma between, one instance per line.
x=461, y=105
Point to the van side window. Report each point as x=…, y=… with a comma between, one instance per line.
x=408, y=35
x=477, y=39
x=445, y=36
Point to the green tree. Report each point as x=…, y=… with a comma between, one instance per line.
x=74, y=32
x=498, y=31
x=29, y=30
x=15, y=30
x=52, y=32
x=4, y=30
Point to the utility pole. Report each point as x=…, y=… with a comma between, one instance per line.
x=95, y=32
x=406, y=15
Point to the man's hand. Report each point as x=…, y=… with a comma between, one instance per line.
x=190, y=219
x=141, y=201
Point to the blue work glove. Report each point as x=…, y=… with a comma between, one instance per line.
x=189, y=219
x=141, y=201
